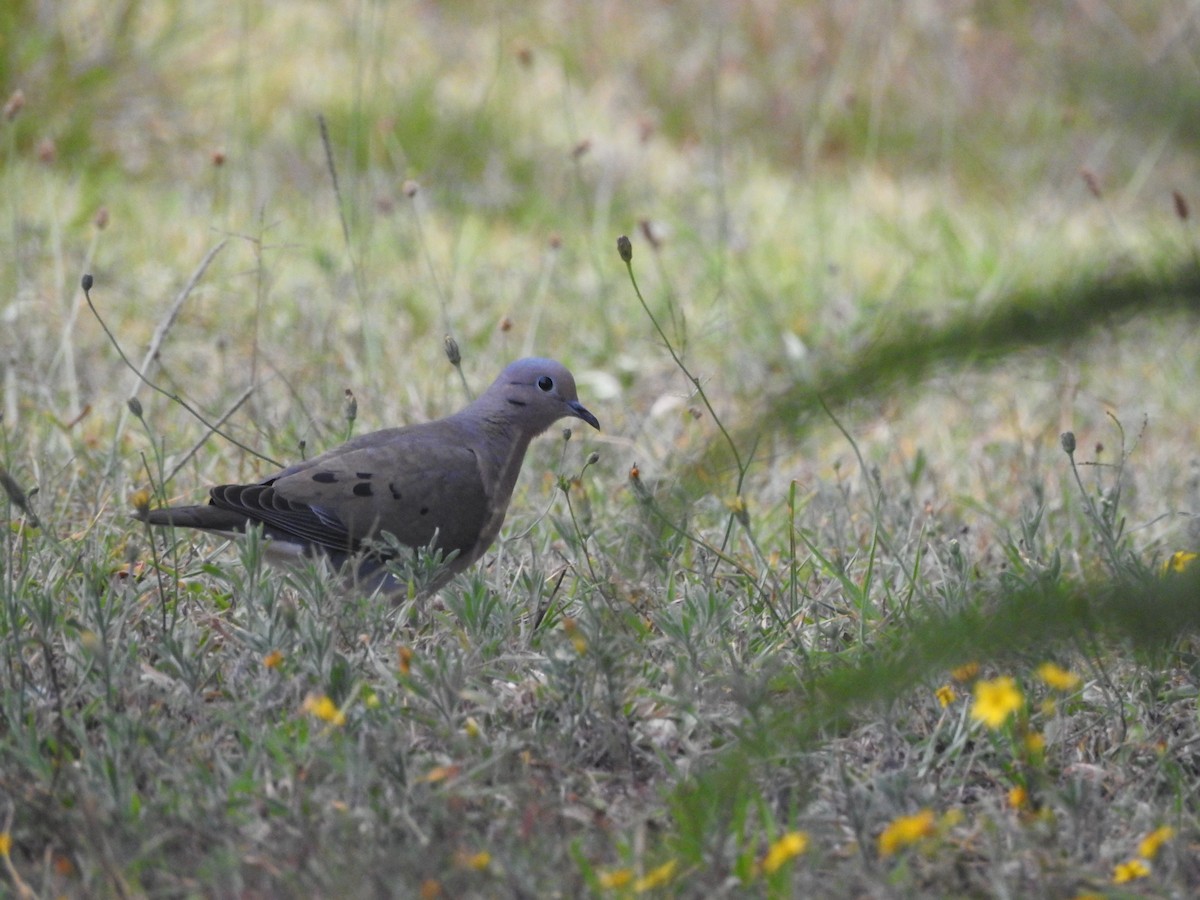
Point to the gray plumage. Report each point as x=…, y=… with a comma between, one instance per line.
x=450, y=479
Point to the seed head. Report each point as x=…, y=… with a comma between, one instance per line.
x=16, y=102
x=647, y=230
x=625, y=248
x=1181, y=205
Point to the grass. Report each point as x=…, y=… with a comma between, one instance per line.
x=781, y=628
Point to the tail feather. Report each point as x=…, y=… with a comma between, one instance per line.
x=206, y=518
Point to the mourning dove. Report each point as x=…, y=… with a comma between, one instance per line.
x=444, y=484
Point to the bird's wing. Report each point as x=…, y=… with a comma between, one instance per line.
x=409, y=483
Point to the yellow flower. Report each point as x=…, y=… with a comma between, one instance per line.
x=1035, y=743
x=655, y=877
x=1153, y=842
x=140, y=501
x=1058, y=678
x=995, y=701
x=945, y=695
x=572, y=630
x=477, y=861
x=1018, y=797
x=1179, y=561
x=5, y=843
x=1128, y=871
x=440, y=773
x=965, y=672
x=273, y=660
x=324, y=709
x=616, y=879
x=791, y=844
x=906, y=830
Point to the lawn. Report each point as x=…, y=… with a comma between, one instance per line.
x=877, y=581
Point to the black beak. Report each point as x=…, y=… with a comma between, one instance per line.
x=577, y=409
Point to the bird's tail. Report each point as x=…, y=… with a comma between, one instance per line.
x=206, y=518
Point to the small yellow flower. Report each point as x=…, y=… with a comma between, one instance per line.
x=5, y=844
x=616, y=879
x=477, y=861
x=370, y=699
x=571, y=629
x=441, y=773
x=1057, y=677
x=655, y=877
x=945, y=695
x=1179, y=561
x=140, y=501
x=1035, y=743
x=323, y=708
x=790, y=845
x=1152, y=843
x=1128, y=871
x=965, y=672
x=471, y=727
x=906, y=830
x=995, y=701
x=1018, y=797
x=737, y=506
x=273, y=660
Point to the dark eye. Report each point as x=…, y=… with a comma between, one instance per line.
x=546, y=383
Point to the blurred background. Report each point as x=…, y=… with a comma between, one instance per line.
x=797, y=178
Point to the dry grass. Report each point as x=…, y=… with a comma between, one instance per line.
x=706, y=679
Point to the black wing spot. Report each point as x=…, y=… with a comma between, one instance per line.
x=362, y=489
x=395, y=492
x=325, y=477
x=424, y=510
x=366, y=475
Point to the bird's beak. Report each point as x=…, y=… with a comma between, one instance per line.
x=577, y=409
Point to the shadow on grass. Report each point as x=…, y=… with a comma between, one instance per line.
x=913, y=350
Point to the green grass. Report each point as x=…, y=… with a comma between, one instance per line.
x=830, y=474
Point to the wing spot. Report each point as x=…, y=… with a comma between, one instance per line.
x=362, y=489
x=424, y=510
x=365, y=475
x=395, y=492
x=325, y=478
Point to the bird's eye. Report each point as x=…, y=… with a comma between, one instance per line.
x=546, y=383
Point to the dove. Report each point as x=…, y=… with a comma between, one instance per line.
x=443, y=485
